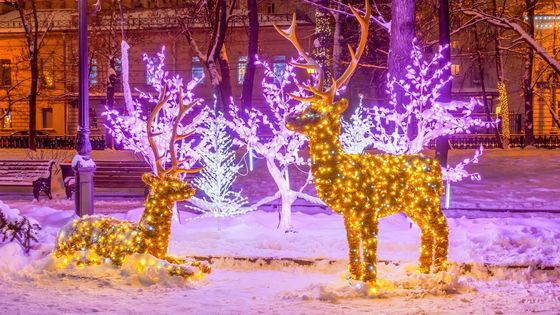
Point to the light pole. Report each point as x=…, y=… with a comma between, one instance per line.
x=82, y=163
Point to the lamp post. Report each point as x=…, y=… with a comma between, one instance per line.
x=82, y=163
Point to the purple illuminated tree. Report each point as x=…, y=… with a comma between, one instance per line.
x=131, y=129
x=266, y=136
x=408, y=126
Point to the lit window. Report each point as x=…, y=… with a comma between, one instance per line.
x=93, y=72
x=278, y=66
x=5, y=72
x=197, y=69
x=6, y=122
x=241, y=69
x=47, y=73
x=47, y=115
x=455, y=68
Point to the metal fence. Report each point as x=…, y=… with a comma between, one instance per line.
x=50, y=142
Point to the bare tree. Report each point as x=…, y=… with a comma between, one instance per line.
x=35, y=32
x=252, y=50
x=216, y=14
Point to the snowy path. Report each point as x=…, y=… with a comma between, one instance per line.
x=269, y=292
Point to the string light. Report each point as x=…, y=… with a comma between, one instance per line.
x=363, y=187
x=504, y=109
x=92, y=240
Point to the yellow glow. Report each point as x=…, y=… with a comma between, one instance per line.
x=364, y=188
x=504, y=109
x=93, y=237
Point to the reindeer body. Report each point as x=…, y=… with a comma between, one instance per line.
x=362, y=187
x=95, y=239
x=365, y=187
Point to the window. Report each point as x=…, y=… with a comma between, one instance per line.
x=47, y=118
x=241, y=69
x=93, y=118
x=278, y=66
x=455, y=68
x=271, y=8
x=47, y=72
x=197, y=69
x=5, y=72
x=6, y=122
x=93, y=72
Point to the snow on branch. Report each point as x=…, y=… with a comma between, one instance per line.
x=266, y=135
x=526, y=37
x=131, y=129
x=15, y=227
x=410, y=126
x=219, y=172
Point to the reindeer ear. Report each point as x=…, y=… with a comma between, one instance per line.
x=149, y=179
x=341, y=106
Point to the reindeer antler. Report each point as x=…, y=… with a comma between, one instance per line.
x=157, y=156
x=183, y=109
x=318, y=89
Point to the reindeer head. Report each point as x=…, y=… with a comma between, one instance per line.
x=323, y=110
x=166, y=182
x=173, y=187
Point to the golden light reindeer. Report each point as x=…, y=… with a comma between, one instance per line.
x=93, y=239
x=366, y=187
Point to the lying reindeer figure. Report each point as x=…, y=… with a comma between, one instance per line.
x=92, y=238
x=366, y=187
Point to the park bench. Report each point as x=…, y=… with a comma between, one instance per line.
x=109, y=174
x=32, y=173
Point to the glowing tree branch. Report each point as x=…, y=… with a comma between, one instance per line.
x=267, y=136
x=410, y=127
x=130, y=129
x=219, y=172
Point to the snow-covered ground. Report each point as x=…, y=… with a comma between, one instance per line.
x=500, y=263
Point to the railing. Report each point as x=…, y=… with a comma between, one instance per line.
x=50, y=142
x=462, y=141
x=489, y=141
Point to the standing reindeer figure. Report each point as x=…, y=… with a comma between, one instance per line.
x=92, y=238
x=365, y=187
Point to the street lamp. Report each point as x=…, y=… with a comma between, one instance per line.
x=82, y=163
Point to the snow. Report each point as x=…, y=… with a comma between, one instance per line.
x=500, y=262
x=82, y=161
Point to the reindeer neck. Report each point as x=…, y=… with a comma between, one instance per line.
x=155, y=224
x=325, y=149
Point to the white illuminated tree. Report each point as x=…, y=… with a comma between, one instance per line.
x=409, y=127
x=266, y=136
x=219, y=172
x=356, y=134
x=130, y=129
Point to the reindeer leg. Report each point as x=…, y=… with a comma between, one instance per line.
x=369, y=242
x=352, y=234
x=441, y=242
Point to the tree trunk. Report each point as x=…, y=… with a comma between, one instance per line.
x=442, y=143
x=337, y=48
x=33, y=99
x=110, y=102
x=214, y=52
x=502, y=98
x=225, y=83
x=528, y=77
x=323, y=42
x=403, y=21
x=483, y=85
x=252, y=50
